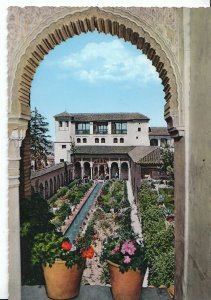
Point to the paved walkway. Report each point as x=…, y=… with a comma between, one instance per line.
x=135, y=219
x=88, y=292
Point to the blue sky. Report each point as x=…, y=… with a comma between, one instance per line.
x=95, y=72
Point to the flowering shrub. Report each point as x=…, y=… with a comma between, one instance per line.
x=128, y=253
x=52, y=246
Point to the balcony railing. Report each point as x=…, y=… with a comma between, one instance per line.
x=119, y=131
x=101, y=131
x=78, y=131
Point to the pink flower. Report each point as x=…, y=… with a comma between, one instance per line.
x=127, y=259
x=116, y=248
x=128, y=247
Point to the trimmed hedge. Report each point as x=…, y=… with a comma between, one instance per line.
x=158, y=237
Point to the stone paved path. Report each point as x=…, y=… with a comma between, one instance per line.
x=88, y=292
x=135, y=219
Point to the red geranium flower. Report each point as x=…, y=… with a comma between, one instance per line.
x=88, y=253
x=66, y=245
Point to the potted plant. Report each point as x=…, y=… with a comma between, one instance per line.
x=127, y=265
x=63, y=263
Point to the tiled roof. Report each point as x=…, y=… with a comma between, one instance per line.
x=154, y=157
x=158, y=131
x=90, y=117
x=139, y=152
x=103, y=149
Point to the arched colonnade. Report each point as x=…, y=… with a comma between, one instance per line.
x=101, y=169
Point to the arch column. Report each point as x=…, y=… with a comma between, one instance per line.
x=129, y=172
x=109, y=169
x=159, y=143
x=119, y=169
x=15, y=140
x=91, y=170
x=82, y=169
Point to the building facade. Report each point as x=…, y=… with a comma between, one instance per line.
x=109, y=145
x=105, y=129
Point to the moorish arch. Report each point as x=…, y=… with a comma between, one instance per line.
x=67, y=23
x=33, y=32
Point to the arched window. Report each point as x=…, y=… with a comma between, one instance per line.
x=96, y=140
x=121, y=140
x=115, y=140
x=78, y=140
x=103, y=140
x=154, y=142
x=84, y=140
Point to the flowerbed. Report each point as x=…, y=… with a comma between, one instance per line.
x=66, y=200
x=159, y=239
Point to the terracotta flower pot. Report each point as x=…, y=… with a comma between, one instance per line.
x=127, y=285
x=171, y=291
x=62, y=282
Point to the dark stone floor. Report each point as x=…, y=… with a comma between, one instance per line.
x=88, y=292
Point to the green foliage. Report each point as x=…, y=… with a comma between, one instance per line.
x=72, y=184
x=159, y=238
x=105, y=275
x=34, y=218
x=163, y=268
x=48, y=247
x=113, y=196
x=62, y=213
x=168, y=195
x=62, y=191
x=65, y=198
x=168, y=162
x=40, y=142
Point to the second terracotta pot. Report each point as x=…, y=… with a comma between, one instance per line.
x=127, y=285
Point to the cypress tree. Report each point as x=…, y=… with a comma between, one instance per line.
x=40, y=143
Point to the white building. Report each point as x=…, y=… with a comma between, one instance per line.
x=99, y=129
x=109, y=145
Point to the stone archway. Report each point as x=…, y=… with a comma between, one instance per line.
x=30, y=39
x=87, y=169
x=124, y=171
x=154, y=142
x=114, y=170
x=78, y=170
x=67, y=23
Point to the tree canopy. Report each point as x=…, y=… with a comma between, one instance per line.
x=168, y=162
x=40, y=143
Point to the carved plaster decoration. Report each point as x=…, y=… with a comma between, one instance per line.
x=34, y=31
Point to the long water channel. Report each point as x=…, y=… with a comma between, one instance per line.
x=74, y=228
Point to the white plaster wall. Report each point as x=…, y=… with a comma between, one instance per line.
x=61, y=153
x=132, y=138
x=63, y=133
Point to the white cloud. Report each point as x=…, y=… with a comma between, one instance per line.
x=109, y=61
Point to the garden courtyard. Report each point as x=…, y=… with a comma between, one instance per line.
x=111, y=214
